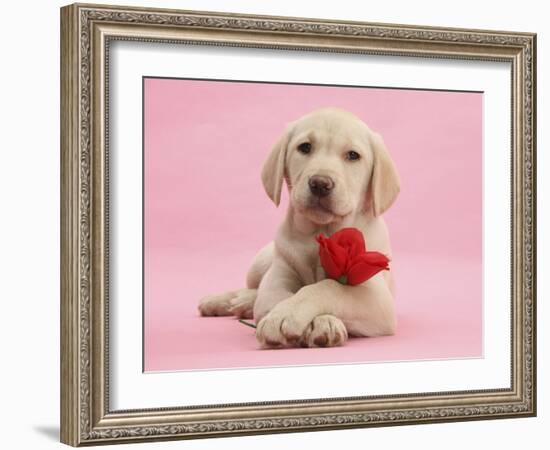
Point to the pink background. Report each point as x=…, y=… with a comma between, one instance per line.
x=206, y=215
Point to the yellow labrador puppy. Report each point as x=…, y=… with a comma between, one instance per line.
x=339, y=174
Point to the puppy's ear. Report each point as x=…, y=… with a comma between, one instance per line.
x=273, y=171
x=384, y=182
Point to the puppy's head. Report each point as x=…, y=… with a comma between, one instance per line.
x=334, y=166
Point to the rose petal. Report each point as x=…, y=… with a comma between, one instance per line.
x=350, y=238
x=365, y=266
x=333, y=257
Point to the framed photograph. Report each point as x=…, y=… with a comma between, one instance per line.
x=276, y=224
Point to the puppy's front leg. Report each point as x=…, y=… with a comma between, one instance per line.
x=279, y=283
x=368, y=308
x=363, y=310
x=286, y=324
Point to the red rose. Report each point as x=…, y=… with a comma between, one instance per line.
x=345, y=259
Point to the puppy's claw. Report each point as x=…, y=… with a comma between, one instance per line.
x=280, y=328
x=325, y=331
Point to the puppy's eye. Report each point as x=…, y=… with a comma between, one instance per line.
x=352, y=155
x=305, y=148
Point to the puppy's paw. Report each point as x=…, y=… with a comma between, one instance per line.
x=325, y=331
x=217, y=305
x=283, y=326
x=242, y=305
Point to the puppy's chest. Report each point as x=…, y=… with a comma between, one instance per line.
x=305, y=261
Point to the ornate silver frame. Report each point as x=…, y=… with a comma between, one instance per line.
x=86, y=31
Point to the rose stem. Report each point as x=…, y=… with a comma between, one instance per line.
x=247, y=323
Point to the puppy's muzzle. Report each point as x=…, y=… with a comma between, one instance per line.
x=320, y=186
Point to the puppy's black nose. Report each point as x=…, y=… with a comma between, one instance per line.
x=320, y=186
